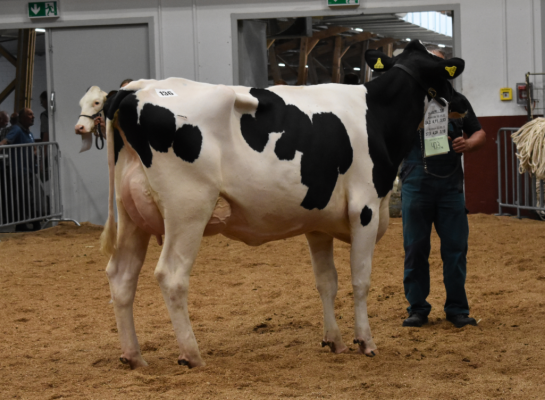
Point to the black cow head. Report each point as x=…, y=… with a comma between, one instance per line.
x=431, y=72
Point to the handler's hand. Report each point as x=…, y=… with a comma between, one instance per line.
x=100, y=121
x=460, y=145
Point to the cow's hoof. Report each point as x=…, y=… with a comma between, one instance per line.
x=184, y=362
x=364, y=349
x=335, y=348
x=190, y=364
x=136, y=362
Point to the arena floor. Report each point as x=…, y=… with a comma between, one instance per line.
x=258, y=320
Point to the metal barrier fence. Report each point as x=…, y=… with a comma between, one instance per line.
x=515, y=190
x=30, y=189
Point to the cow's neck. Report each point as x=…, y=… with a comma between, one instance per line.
x=395, y=107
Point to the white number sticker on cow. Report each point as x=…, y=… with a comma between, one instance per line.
x=166, y=93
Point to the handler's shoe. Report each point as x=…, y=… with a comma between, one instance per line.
x=461, y=320
x=416, y=320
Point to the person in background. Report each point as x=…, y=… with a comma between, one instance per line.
x=351, y=79
x=99, y=120
x=4, y=175
x=434, y=196
x=125, y=82
x=13, y=119
x=44, y=118
x=4, y=119
x=19, y=132
x=22, y=160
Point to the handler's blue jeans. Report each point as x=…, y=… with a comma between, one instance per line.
x=428, y=200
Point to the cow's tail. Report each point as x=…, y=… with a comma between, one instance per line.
x=108, y=236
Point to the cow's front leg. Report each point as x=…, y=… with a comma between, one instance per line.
x=123, y=270
x=172, y=273
x=364, y=225
x=184, y=227
x=321, y=253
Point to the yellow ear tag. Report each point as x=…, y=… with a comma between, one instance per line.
x=451, y=70
x=378, y=65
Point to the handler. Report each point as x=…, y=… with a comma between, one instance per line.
x=436, y=197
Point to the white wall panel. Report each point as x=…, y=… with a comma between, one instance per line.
x=500, y=39
x=177, y=39
x=483, y=50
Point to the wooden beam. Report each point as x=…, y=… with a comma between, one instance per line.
x=293, y=44
x=7, y=91
x=25, y=68
x=307, y=44
x=312, y=74
x=333, y=31
x=361, y=37
x=269, y=43
x=381, y=42
x=287, y=65
x=363, y=64
x=311, y=44
x=275, y=69
x=319, y=64
x=8, y=56
x=400, y=45
x=327, y=48
x=368, y=75
x=303, y=56
x=340, y=48
x=336, y=64
x=389, y=49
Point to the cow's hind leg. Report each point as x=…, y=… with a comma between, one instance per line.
x=364, y=221
x=321, y=252
x=123, y=270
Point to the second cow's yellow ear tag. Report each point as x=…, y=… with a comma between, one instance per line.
x=451, y=70
x=378, y=65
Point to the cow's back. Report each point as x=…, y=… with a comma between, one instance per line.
x=283, y=163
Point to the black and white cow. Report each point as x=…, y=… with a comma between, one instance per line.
x=192, y=159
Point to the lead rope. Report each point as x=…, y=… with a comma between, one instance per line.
x=97, y=128
x=100, y=136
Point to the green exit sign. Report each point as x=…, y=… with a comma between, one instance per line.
x=333, y=3
x=43, y=9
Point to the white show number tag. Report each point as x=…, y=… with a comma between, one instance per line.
x=436, y=129
x=166, y=93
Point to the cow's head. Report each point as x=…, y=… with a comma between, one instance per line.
x=432, y=73
x=92, y=103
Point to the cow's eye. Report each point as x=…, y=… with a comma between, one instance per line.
x=96, y=103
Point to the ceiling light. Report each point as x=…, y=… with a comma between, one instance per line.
x=281, y=65
x=39, y=30
x=408, y=39
x=356, y=69
x=358, y=29
x=441, y=45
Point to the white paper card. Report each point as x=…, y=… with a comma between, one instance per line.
x=436, y=129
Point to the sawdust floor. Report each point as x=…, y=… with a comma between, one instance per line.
x=258, y=320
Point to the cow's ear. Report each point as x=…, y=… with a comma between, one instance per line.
x=378, y=60
x=451, y=68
